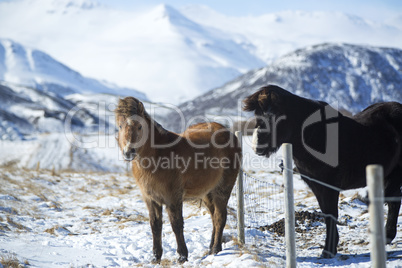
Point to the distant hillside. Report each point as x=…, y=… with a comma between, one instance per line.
x=27, y=111
x=34, y=68
x=38, y=94
x=349, y=76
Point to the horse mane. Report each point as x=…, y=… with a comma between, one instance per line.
x=250, y=104
x=130, y=106
x=265, y=95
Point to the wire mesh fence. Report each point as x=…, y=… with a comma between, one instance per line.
x=263, y=206
x=264, y=212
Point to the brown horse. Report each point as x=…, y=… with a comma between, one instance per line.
x=200, y=163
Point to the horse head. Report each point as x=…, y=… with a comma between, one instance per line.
x=132, y=126
x=270, y=106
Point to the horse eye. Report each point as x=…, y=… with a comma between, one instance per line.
x=140, y=127
x=120, y=127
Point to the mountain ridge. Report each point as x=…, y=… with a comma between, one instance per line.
x=351, y=77
x=34, y=68
x=189, y=51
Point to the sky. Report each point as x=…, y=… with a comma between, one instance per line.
x=372, y=9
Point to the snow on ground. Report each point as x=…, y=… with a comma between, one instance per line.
x=60, y=151
x=98, y=219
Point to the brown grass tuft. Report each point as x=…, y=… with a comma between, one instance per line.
x=17, y=225
x=107, y=212
x=10, y=261
x=53, y=230
x=4, y=228
x=10, y=165
x=166, y=263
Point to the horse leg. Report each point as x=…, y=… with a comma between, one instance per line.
x=328, y=201
x=155, y=220
x=208, y=202
x=220, y=201
x=175, y=212
x=392, y=190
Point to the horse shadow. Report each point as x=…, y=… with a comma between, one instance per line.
x=347, y=259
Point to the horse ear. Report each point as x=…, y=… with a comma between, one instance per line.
x=140, y=108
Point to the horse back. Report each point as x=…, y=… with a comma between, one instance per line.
x=373, y=136
x=214, y=157
x=380, y=113
x=209, y=133
x=379, y=136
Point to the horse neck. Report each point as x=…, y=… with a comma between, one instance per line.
x=302, y=111
x=157, y=135
x=316, y=136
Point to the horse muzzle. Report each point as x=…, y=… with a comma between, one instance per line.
x=258, y=148
x=129, y=154
x=262, y=151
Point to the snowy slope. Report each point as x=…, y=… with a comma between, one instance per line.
x=26, y=111
x=72, y=133
x=348, y=76
x=62, y=219
x=34, y=68
x=41, y=95
x=159, y=51
x=276, y=34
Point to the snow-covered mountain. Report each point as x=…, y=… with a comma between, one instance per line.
x=277, y=34
x=175, y=55
x=34, y=68
x=130, y=48
x=348, y=76
x=38, y=94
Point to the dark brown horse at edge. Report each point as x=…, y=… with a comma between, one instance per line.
x=200, y=163
x=332, y=148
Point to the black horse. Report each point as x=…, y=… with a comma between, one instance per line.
x=332, y=148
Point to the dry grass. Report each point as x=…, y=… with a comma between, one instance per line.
x=17, y=225
x=29, y=185
x=246, y=250
x=107, y=212
x=89, y=207
x=4, y=228
x=10, y=165
x=11, y=261
x=134, y=218
x=54, y=230
x=166, y=263
x=237, y=243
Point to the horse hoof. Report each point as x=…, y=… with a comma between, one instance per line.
x=182, y=259
x=327, y=255
x=214, y=251
x=156, y=261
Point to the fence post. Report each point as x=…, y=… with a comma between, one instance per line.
x=375, y=178
x=240, y=197
x=289, y=206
